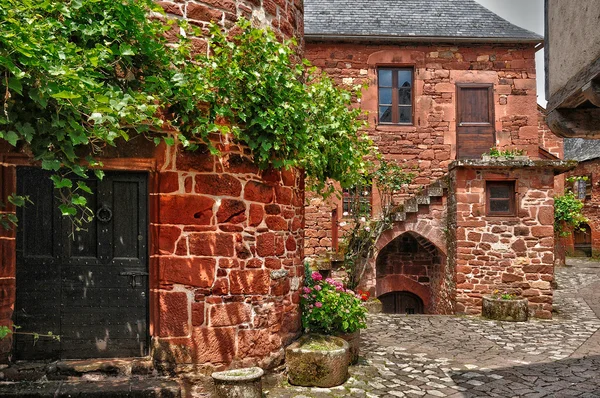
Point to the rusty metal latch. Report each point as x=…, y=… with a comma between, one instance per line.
x=133, y=275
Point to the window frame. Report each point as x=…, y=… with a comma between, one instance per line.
x=587, y=188
x=395, y=98
x=512, y=198
x=354, y=200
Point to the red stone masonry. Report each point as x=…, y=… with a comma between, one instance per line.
x=591, y=206
x=226, y=239
x=508, y=253
x=229, y=259
x=429, y=145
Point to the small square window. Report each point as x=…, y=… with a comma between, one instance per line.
x=500, y=198
x=357, y=200
x=395, y=89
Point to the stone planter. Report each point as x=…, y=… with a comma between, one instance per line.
x=374, y=306
x=316, y=360
x=239, y=383
x=353, y=340
x=505, y=310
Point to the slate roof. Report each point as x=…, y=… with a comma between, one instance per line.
x=581, y=149
x=396, y=19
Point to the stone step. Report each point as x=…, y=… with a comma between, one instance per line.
x=117, y=388
x=422, y=200
x=435, y=190
x=401, y=216
x=61, y=370
x=411, y=206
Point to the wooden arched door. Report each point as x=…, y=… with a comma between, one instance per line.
x=401, y=303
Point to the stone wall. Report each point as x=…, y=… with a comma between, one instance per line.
x=591, y=206
x=509, y=253
x=226, y=239
x=428, y=146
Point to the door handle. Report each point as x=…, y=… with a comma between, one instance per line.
x=133, y=275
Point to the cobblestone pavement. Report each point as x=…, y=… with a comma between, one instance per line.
x=447, y=356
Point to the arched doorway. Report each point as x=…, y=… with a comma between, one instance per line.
x=583, y=241
x=401, y=303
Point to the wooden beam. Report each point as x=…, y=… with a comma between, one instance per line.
x=571, y=94
x=584, y=123
x=591, y=91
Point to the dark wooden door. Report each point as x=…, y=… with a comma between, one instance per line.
x=583, y=240
x=88, y=286
x=401, y=303
x=475, y=131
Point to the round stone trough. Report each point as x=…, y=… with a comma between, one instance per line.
x=316, y=360
x=498, y=309
x=239, y=383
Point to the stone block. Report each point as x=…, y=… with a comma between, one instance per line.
x=218, y=185
x=229, y=314
x=258, y=192
x=185, y=209
x=231, y=211
x=190, y=271
x=249, y=281
x=174, y=317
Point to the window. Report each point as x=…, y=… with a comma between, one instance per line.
x=395, y=95
x=500, y=198
x=356, y=200
x=582, y=187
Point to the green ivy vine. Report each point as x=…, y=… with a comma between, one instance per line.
x=77, y=76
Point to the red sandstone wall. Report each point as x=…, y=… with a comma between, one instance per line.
x=429, y=145
x=226, y=240
x=285, y=17
x=591, y=208
x=505, y=253
x=229, y=259
x=230, y=237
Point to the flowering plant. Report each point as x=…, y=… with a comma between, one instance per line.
x=329, y=308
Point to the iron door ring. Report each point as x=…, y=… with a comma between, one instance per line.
x=104, y=214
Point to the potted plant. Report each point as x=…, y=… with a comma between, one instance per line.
x=329, y=308
x=332, y=317
x=505, y=307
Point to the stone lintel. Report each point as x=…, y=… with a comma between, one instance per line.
x=559, y=166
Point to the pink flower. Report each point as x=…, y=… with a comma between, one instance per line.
x=339, y=288
x=317, y=288
x=330, y=281
x=310, y=306
x=318, y=304
x=306, y=289
x=305, y=296
x=316, y=276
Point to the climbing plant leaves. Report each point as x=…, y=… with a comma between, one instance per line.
x=78, y=76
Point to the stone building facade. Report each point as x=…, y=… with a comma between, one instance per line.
x=224, y=248
x=415, y=257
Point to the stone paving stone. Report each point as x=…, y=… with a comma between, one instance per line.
x=459, y=356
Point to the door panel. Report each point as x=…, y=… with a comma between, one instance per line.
x=475, y=120
x=96, y=308
x=401, y=303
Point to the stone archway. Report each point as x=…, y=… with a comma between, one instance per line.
x=412, y=263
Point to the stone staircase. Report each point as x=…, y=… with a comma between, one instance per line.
x=432, y=193
x=87, y=378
